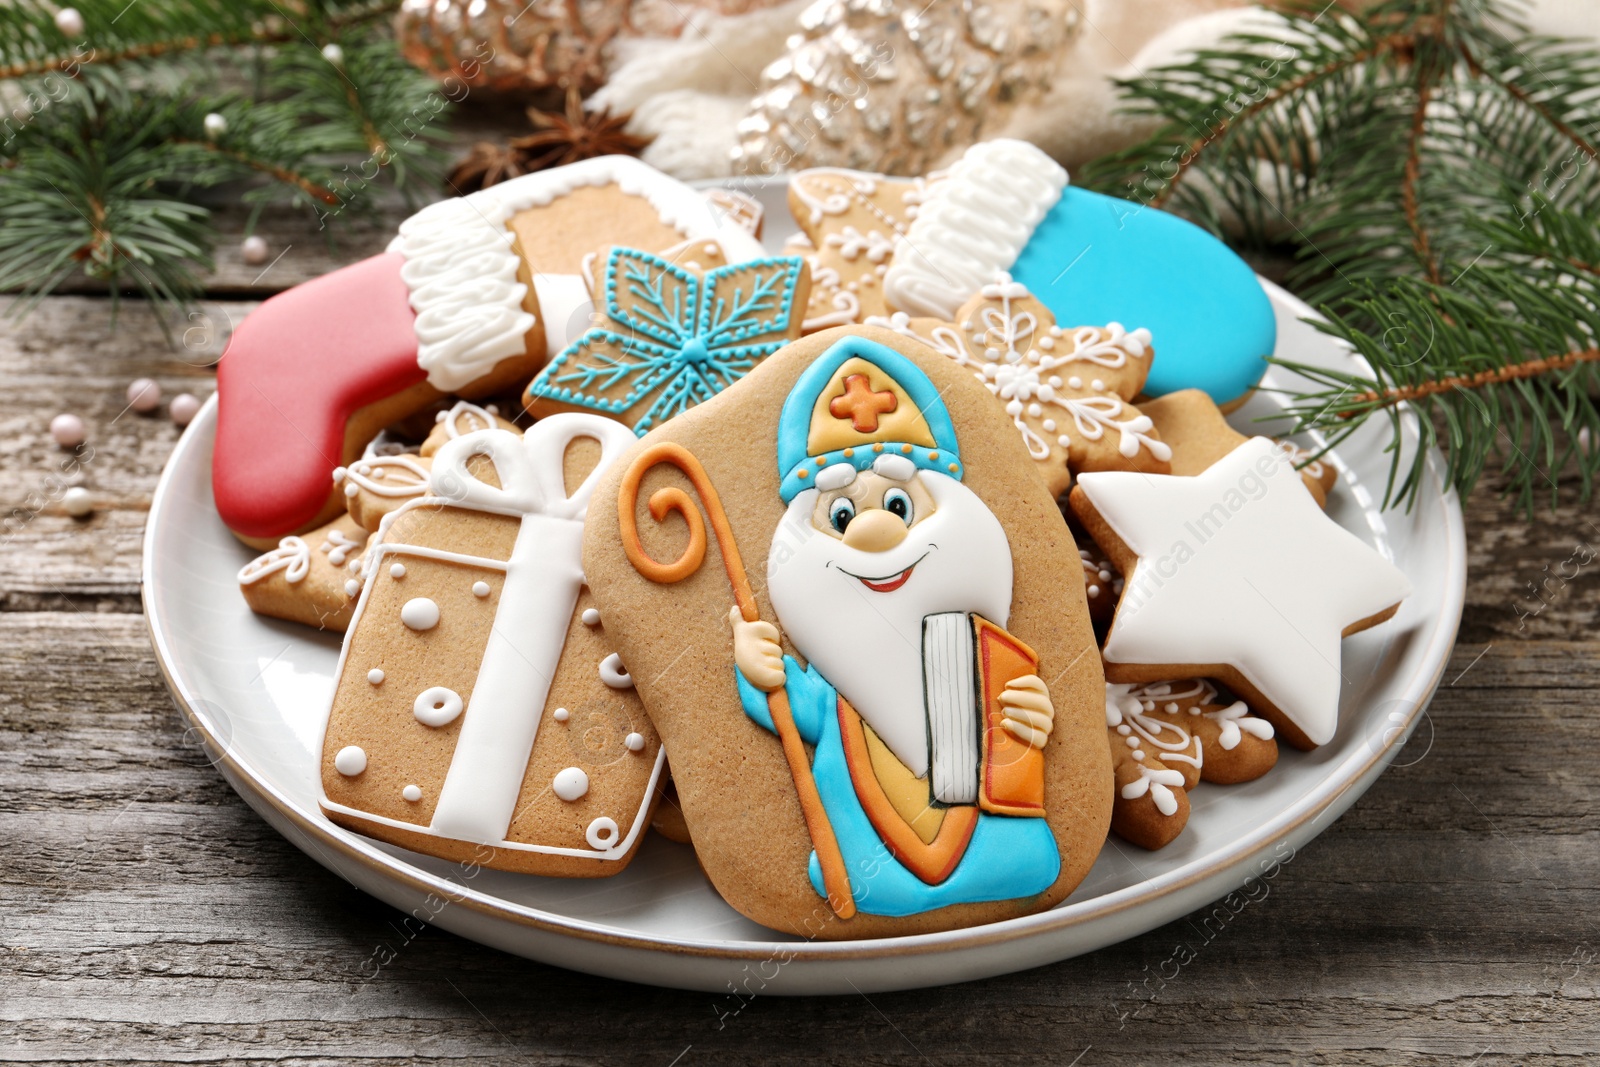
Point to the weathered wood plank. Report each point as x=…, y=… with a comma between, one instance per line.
x=146, y=915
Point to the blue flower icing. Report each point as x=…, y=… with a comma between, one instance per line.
x=1096, y=259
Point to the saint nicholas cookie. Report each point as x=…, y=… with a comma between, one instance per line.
x=481, y=712
x=469, y=299
x=1236, y=574
x=853, y=612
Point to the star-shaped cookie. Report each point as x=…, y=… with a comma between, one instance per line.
x=1236, y=574
x=1068, y=392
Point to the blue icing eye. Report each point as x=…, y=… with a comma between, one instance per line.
x=1096, y=259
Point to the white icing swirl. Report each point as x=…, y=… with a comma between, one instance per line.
x=292, y=556
x=974, y=223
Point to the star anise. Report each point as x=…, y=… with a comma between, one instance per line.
x=486, y=164
x=575, y=134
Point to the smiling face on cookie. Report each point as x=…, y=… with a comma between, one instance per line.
x=884, y=535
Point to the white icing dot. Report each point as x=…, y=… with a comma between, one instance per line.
x=480, y=589
x=411, y=793
x=1098, y=386
x=1049, y=425
x=614, y=674
x=351, y=489
x=570, y=784
x=420, y=613
x=437, y=706
x=561, y=715
x=338, y=475
x=1133, y=742
x=351, y=760
x=591, y=617
x=1094, y=590
x=1138, y=754
x=397, y=571
x=438, y=416
x=1171, y=708
x=1075, y=382
x=377, y=472
x=1148, y=705
x=602, y=833
x=352, y=587
x=1064, y=441
x=1034, y=410
x=634, y=741
x=1105, y=576
x=375, y=676
x=1194, y=711
x=1124, y=729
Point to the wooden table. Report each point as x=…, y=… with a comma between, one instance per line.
x=146, y=914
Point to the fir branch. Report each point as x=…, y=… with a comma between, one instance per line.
x=1431, y=167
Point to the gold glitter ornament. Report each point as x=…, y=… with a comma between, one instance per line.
x=898, y=86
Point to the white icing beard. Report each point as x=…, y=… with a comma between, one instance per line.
x=868, y=644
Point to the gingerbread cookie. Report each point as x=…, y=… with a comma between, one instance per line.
x=480, y=709
x=1236, y=574
x=1166, y=738
x=919, y=628
x=1069, y=393
x=1102, y=585
x=461, y=419
x=671, y=335
x=850, y=221
x=468, y=299
x=1005, y=205
x=313, y=580
x=1198, y=433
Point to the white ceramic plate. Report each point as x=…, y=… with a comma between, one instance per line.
x=255, y=690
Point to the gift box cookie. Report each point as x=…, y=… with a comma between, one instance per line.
x=480, y=711
x=857, y=619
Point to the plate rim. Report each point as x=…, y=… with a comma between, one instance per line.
x=1357, y=769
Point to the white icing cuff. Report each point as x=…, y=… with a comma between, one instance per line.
x=461, y=266
x=974, y=223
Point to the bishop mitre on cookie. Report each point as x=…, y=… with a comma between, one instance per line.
x=1236, y=574
x=1069, y=392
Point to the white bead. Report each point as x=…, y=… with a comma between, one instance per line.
x=253, y=250
x=216, y=125
x=144, y=395
x=333, y=54
x=183, y=409
x=77, y=501
x=68, y=430
x=69, y=20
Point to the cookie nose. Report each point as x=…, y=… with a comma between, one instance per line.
x=874, y=530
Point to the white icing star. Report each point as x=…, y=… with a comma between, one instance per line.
x=1238, y=566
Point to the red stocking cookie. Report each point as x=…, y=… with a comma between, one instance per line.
x=467, y=300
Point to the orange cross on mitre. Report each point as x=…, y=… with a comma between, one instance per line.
x=861, y=405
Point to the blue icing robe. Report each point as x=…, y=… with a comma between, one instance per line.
x=1096, y=259
x=1007, y=857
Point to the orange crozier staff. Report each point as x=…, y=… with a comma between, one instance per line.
x=672, y=498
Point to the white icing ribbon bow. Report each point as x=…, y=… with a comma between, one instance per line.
x=529, y=468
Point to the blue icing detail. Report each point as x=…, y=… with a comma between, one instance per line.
x=1096, y=259
x=794, y=423
x=1008, y=856
x=678, y=345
